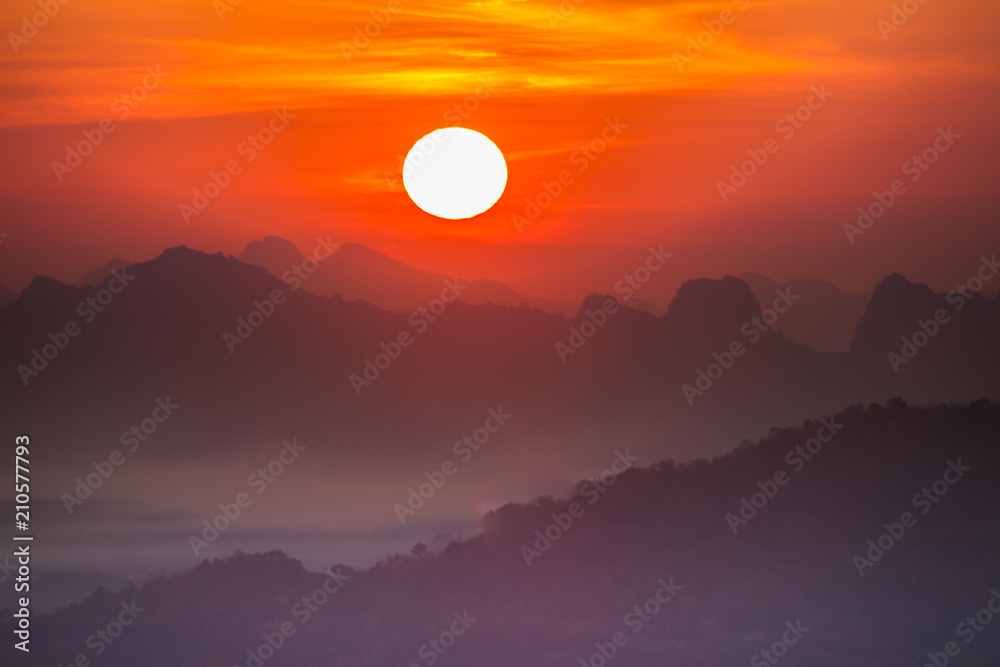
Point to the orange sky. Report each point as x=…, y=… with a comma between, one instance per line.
x=551, y=90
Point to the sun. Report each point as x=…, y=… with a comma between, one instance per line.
x=454, y=173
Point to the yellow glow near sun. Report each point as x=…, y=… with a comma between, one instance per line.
x=454, y=173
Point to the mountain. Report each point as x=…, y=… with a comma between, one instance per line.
x=826, y=318
x=253, y=363
x=97, y=277
x=713, y=308
x=879, y=548
x=272, y=253
x=896, y=304
x=166, y=333
x=359, y=273
x=6, y=296
x=944, y=340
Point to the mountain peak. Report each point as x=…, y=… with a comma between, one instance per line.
x=43, y=291
x=896, y=305
x=896, y=286
x=272, y=253
x=717, y=305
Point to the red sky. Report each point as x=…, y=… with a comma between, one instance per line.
x=554, y=88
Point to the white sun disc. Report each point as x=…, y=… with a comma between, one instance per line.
x=454, y=173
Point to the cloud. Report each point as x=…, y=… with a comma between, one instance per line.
x=292, y=53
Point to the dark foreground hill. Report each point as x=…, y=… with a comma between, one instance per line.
x=661, y=560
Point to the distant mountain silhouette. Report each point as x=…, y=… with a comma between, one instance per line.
x=896, y=303
x=825, y=318
x=357, y=272
x=97, y=277
x=803, y=566
x=164, y=332
x=712, y=309
x=272, y=253
x=957, y=351
x=667, y=386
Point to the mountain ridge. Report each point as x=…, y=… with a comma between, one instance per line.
x=735, y=588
